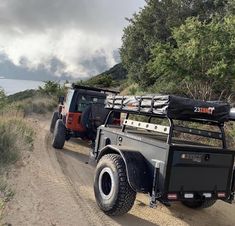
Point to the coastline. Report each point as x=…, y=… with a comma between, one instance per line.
x=13, y=86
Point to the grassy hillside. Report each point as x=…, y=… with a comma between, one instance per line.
x=113, y=77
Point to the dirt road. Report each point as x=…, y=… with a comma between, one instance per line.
x=54, y=188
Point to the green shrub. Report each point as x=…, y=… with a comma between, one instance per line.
x=26, y=94
x=52, y=88
x=15, y=136
x=37, y=105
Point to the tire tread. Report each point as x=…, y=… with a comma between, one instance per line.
x=59, y=135
x=126, y=195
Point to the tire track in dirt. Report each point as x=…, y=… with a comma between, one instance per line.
x=88, y=211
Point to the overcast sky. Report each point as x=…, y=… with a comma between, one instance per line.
x=74, y=37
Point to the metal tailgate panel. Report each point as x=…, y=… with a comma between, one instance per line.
x=200, y=170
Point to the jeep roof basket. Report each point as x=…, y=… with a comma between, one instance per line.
x=74, y=86
x=172, y=107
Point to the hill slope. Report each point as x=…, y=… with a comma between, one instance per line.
x=110, y=78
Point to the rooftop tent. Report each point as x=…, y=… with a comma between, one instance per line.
x=171, y=106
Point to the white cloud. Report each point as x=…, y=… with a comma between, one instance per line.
x=75, y=32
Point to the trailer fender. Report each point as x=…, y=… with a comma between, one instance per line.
x=136, y=167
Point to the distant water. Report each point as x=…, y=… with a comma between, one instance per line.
x=12, y=86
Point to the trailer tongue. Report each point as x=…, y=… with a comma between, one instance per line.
x=152, y=158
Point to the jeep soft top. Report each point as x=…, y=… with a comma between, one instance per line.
x=148, y=157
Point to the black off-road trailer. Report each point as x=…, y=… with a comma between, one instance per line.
x=148, y=157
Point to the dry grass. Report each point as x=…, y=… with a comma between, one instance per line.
x=37, y=105
x=15, y=135
x=6, y=194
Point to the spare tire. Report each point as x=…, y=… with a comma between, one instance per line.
x=54, y=118
x=85, y=118
x=113, y=193
x=94, y=116
x=59, y=135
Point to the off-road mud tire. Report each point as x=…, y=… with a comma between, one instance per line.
x=123, y=196
x=199, y=204
x=59, y=135
x=54, y=118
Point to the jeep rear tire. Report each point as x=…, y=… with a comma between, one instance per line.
x=59, y=135
x=199, y=204
x=54, y=118
x=113, y=193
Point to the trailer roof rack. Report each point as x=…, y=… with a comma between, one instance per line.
x=171, y=107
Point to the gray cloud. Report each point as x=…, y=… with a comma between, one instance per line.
x=82, y=35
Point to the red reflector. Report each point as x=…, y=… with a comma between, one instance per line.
x=70, y=118
x=221, y=194
x=172, y=196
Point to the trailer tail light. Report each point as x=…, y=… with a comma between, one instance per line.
x=70, y=118
x=221, y=194
x=188, y=195
x=172, y=196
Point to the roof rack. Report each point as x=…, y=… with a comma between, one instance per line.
x=172, y=107
x=166, y=129
x=74, y=86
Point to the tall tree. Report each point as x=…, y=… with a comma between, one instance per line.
x=202, y=65
x=154, y=24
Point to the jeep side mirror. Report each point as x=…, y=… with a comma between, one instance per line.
x=61, y=100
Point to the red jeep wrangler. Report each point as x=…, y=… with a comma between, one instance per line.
x=80, y=114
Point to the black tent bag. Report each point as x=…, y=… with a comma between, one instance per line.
x=185, y=108
x=171, y=106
